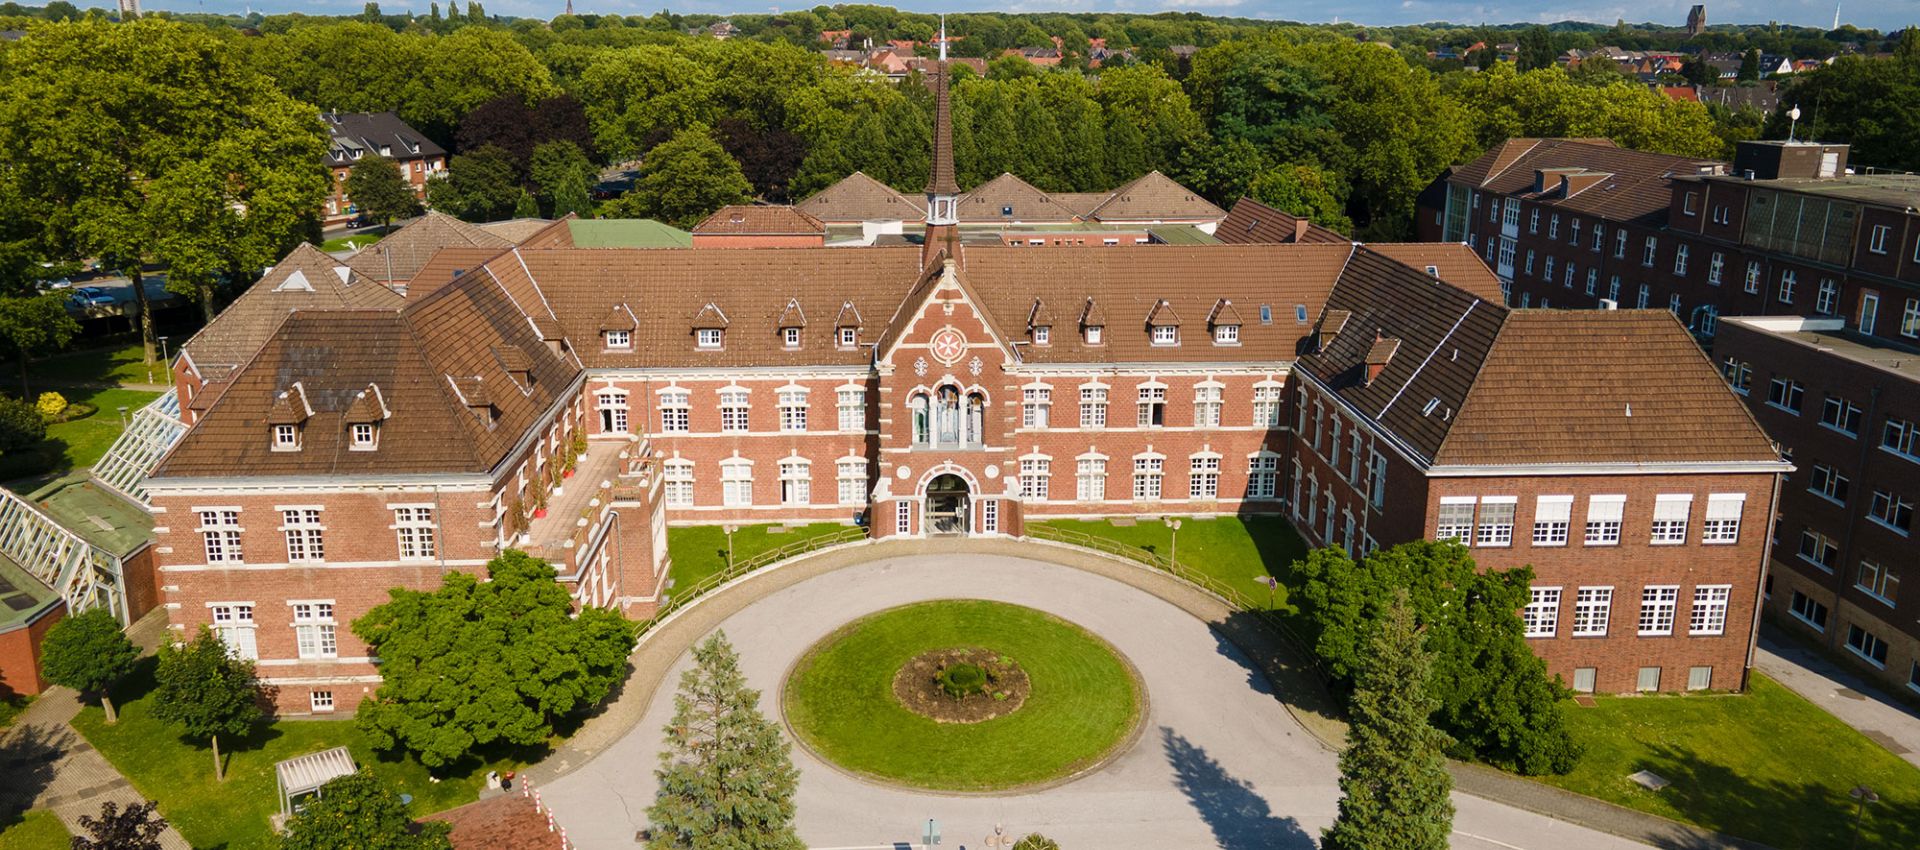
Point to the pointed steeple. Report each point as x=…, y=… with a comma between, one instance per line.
x=943, y=193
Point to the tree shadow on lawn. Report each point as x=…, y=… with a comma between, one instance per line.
x=1716, y=797
x=27, y=756
x=1240, y=818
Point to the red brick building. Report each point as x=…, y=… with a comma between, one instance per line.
x=354, y=135
x=1847, y=408
x=949, y=389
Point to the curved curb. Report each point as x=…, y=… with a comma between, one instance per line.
x=1126, y=743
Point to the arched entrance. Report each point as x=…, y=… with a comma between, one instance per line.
x=948, y=505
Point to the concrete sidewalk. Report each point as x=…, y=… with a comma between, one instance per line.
x=1857, y=703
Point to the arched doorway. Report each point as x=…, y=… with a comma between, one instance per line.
x=947, y=505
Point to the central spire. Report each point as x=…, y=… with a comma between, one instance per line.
x=943, y=193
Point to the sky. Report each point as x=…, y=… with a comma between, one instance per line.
x=1876, y=14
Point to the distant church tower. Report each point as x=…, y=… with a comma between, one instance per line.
x=943, y=193
x=569, y=7
x=129, y=9
x=1696, y=20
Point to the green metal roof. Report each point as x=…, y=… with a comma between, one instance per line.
x=627, y=233
x=96, y=515
x=22, y=597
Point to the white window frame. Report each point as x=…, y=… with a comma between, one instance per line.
x=1542, y=613
x=1093, y=405
x=736, y=410
x=620, y=339
x=1036, y=474
x=415, y=532
x=221, y=535
x=1149, y=476
x=316, y=634
x=678, y=483
x=1493, y=527
x=709, y=339
x=851, y=409
x=793, y=409
x=1605, y=518
x=1036, y=406
x=1090, y=479
x=305, y=535
x=1203, y=476
x=1721, y=526
x=736, y=482
x=1208, y=399
x=796, y=482
x=1672, y=514
x=1659, y=606
x=1592, y=611
x=851, y=480
x=1552, y=520
x=1709, y=613
x=676, y=411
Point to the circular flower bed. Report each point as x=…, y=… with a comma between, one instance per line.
x=874, y=697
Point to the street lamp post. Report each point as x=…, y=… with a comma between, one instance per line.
x=1862, y=796
x=730, y=529
x=1793, y=120
x=1173, y=545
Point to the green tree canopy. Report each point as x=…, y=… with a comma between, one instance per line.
x=563, y=176
x=380, y=191
x=359, y=812
x=682, y=181
x=1306, y=191
x=206, y=691
x=35, y=324
x=726, y=778
x=88, y=653
x=1536, y=49
x=479, y=186
x=136, y=827
x=1394, y=783
x=1501, y=103
x=481, y=664
x=1496, y=699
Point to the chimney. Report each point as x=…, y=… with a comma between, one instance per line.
x=1380, y=355
x=1300, y=227
x=1609, y=304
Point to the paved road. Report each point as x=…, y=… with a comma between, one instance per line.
x=1220, y=763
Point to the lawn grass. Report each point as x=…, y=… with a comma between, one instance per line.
x=89, y=438
x=10, y=708
x=699, y=551
x=1236, y=551
x=38, y=829
x=1084, y=702
x=1768, y=765
x=234, y=815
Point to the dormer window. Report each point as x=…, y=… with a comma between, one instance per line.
x=1166, y=335
x=790, y=337
x=365, y=436
x=1094, y=334
x=619, y=339
x=1226, y=335
x=849, y=337
x=1043, y=335
x=286, y=438
x=707, y=338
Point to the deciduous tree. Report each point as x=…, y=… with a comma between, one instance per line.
x=359, y=812
x=207, y=692
x=136, y=827
x=380, y=191
x=88, y=653
x=1536, y=49
x=682, y=181
x=34, y=324
x=478, y=664
x=479, y=186
x=561, y=173
x=1393, y=774
x=726, y=777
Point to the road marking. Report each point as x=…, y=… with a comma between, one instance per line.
x=1488, y=840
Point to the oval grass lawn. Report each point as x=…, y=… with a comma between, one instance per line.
x=1086, y=701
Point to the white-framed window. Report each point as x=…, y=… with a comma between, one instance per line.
x=849, y=337
x=1377, y=478
x=1094, y=333
x=1266, y=406
x=1867, y=645
x=1203, y=477
x=1752, y=284
x=1709, y=614
x=1166, y=335
x=1828, y=483
x=796, y=482
x=1680, y=253
x=1613, y=288
x=613, y=411
x=1036, y=406
x=1877, y=581
x=678, y=483
x=736, y=482
x=1819, y=550
x=1901, y=437
x=1646, y=297
x=1036, y=474
x=1652, y=248
x=1263, y=476
x=1592, y=608
x=1690, y=203
x=220, y=532
x=1546, y=269
x=1528, y=269
x=1226, y=334
x=1506, y=253
x=790, y=337
x=286, y=438
x=619, y=339
x=413, y=526
x=1604, y=515
x=990, y=516
x=365, y=436
x=1787, y=283
x=1670, y=513
x=1877, y=242
x=1619, y=244
x=1658, y=604
x=303, y=530
x=1840, y=415
x=1091, y=481
x=1910, y=319
x=852, y=477
x=903, y=517
x=1573, y=232
x=675, y=411
x=1827, y=298
x=1599, y=235
x=852, y=409
x=1553, y=227
x=1716, y=267
x=1739, y=374
x=1891, y=510
x=1722, y=523
x=1496, y=521
x=1147, y=473
x=1456, y=519
x=1093, y=407
x=233, y=624
x=1786, y=394
x=1806, y=610
x=709, y=337
x=1533, y=221
x=321, y=702
x=1673, y=303
x=1552, y=516
x=733, y=410
x=1542, y=614
x=313, y=629
x=1153, y=406
x=1042, y=334
x=1206, y=405
x=793, y=409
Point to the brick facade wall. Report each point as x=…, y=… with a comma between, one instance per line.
x=20, y=653
x=415, y=171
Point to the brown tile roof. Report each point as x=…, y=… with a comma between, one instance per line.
x=1252, y=222
x=857, y=198
x=516, y=230
x=306, y=279
x=1081, y=204
x=1453, y=262
x=507, y=822
x=423, y=359
x=1601, y=386
x=1155, y=197
x=940, y=171
x=404, y=252
x=447, y=264
x=1608, y=181
x=758, y=220
x=988, y=203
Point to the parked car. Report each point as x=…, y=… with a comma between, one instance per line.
x=90, y=296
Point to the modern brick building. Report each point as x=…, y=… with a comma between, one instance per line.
x=1785, y=229
x=1846, y=406
x=949, y=388
x=353, y=135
